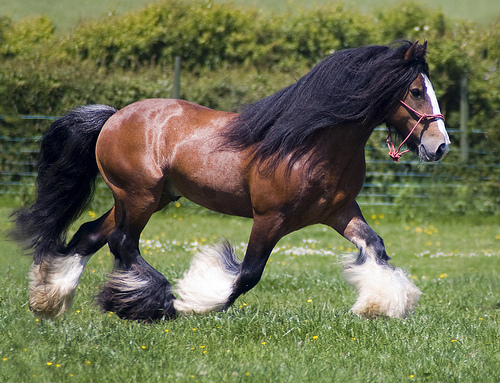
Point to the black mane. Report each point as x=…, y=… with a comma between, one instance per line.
x=359, y=85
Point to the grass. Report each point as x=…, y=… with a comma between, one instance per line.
x=66, y=14
x=295, y=325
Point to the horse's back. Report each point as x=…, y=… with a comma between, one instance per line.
x=176, y=145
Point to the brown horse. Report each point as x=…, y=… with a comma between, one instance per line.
x=291, y=160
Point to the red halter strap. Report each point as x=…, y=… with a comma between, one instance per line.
x=396, y=154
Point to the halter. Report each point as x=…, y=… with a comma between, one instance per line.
x=396, y=154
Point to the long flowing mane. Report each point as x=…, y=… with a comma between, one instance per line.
x=359, y=85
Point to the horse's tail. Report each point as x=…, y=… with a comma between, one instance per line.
x=67, y=170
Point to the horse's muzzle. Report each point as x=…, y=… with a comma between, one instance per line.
x=433, y=155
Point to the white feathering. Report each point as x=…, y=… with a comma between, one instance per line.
x=209, y=282
x=54, y=282
x=382, y=290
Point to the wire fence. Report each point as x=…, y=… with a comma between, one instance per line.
x=408, y=182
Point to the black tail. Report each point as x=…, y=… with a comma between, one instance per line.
x=67, y=170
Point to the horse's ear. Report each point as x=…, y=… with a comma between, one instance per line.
x=416, y=51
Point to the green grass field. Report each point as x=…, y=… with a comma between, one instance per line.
x=294, y=326
x=66, y=14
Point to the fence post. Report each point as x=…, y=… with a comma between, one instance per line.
x=176, y=89
x=464, y=119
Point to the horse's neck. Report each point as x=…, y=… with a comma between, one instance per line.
x=344, y=141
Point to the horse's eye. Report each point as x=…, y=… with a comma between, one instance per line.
x=416, y=93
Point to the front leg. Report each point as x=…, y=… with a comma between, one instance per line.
x=266, y=232
x=382, y=289
x=216, y=277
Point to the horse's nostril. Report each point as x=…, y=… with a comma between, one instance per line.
x=441, y=150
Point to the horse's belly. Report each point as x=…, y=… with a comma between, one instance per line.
x=215, y=183
x=223, y=199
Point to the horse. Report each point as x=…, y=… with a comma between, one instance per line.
x=293, y=159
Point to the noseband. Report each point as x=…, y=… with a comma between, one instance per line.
x=396, y=154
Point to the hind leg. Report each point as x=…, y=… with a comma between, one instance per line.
x=135, y=290
x=54, y=280
x=382, y=289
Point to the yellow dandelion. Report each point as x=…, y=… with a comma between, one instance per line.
x=49, y=363
x=205, y=351
x=353, y=338
x=143, y=347
x=58, y=365
x=166, y=330
x=315, y=337
x=202, y=346
x=373, y=216
x=4, y=359
x=309, y=300
x=412, y=376
x=177, y=204
x=92, y=214
x=454, y=340
x=263, y=343
x=443, y=275
x=194, y=328
x=381, y=216
x=247, y=373
x=88, y=362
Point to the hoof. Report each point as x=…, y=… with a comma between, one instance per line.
x=53, y=283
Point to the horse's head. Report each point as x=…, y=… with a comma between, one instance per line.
x=419, y=120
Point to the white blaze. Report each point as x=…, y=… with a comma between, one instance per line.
x=435, y=108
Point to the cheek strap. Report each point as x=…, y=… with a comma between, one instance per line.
x=396, y=154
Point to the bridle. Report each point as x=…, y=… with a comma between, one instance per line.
x=396, y=154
